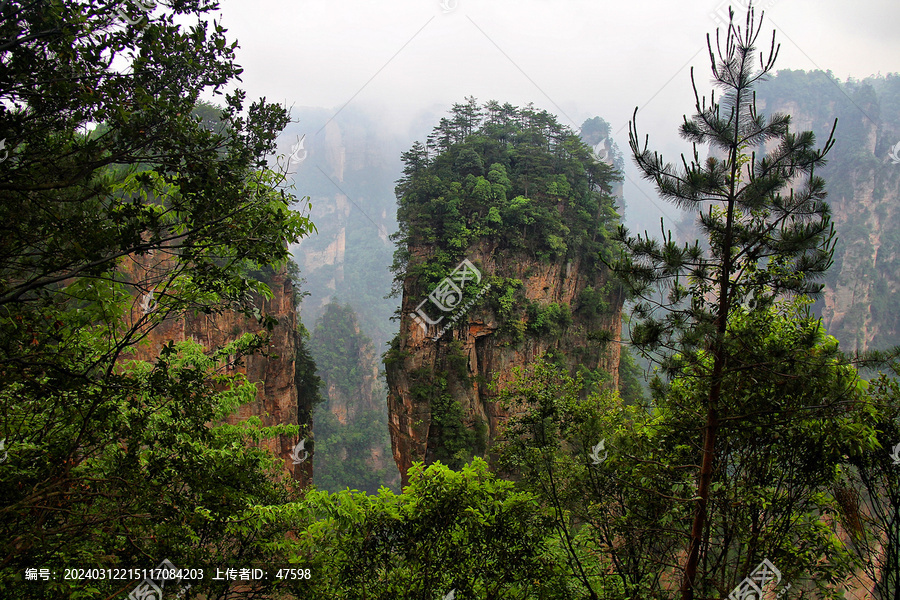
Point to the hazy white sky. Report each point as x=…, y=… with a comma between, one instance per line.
x=575, y=58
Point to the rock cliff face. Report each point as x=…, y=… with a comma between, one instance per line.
x=463, y=418
x=859, y=303
x=349, y=175
x=351, y=425
x=274, y=375
x=348, y=405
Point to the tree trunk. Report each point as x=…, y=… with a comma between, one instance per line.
x=715, y=390
x=706, y=471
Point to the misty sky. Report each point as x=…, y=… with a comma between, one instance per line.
x=575, y=58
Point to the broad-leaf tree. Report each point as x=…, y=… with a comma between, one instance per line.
x=455, y=534
x=122, y=204
x=869, y=497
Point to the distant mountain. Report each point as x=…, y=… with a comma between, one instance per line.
x=349, y=165
x=861, y=303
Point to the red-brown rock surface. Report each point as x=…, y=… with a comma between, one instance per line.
x=488, y=354
x=277, y=399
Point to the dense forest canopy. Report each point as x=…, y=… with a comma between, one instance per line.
x=514, y=174
x=165, y=210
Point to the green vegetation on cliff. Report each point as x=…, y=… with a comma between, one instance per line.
x=767, y=235
x=353, y=449
x=337, y=347
x=512, y=176
x=531, y=206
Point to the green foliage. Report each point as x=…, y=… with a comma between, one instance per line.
x=344, y=451
x=144, y=474
x=543, y=194
x=306, y=380
x=631, y=379
x=622, y=520
x=594, y=130
x=593, y=380
x=796, y=418
x=547, y=441
x=767, y=236
x=457, y=360
x=336, y=346
x=594, y=302
x=500, y=182
x=468, y=162
x=450, y=530
x=505, y=295
x=115, y=462
x=552, y=319
x=457, y=441
x=868, y=496
x=480, y=431
x=457, y=437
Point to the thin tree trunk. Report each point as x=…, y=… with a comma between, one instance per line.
x=706, y=471
x=715, y=391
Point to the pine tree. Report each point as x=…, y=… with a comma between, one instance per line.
x=767, y=234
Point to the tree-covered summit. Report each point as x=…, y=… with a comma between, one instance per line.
x=515, y=174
